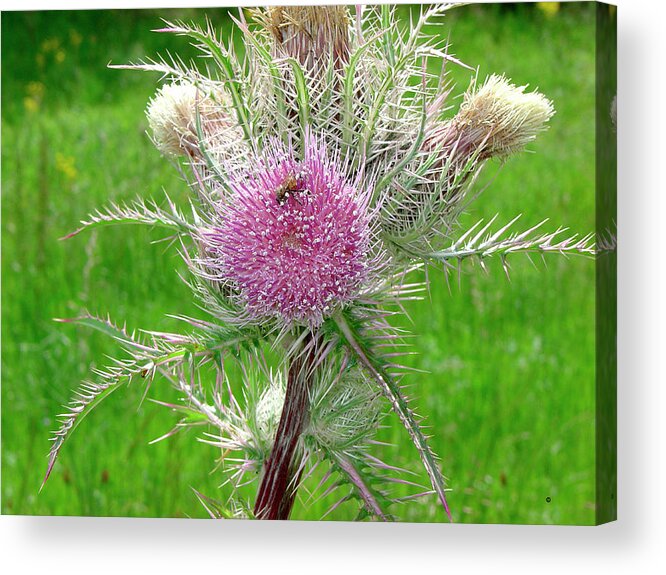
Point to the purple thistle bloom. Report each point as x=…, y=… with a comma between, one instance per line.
x=294, y=237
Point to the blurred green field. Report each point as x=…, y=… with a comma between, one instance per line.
x=510, y=391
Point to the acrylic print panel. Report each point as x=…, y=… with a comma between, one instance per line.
x=329, y=307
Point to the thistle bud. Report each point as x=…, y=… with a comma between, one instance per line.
x=311, y=34
x=172, y=117
x=496, y=120
x=345, y=414
x=500, y=119
x=269, y=408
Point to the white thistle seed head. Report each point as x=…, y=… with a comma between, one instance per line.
x=172, y=117
x=500, y=118
x=495, y=120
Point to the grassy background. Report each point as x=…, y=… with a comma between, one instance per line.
x=510, y=390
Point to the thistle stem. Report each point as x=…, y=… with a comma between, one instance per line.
x=275, y=498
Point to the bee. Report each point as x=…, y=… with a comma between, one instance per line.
x=289, y=186
x=147, y=370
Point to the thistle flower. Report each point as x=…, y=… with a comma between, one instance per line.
x=313, y=35
x=180, y=113
x=293, y=237
x=345, y=410
x=496, y=120
x=499, y=119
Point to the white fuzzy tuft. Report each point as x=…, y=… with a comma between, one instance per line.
x=502, y=118
x=172, y=117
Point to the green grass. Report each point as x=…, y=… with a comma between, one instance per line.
x=510, y=391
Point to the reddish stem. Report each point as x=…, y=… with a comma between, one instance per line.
x=277, y=491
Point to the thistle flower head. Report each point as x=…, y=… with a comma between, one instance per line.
x=345, y=410
x=293, y=236
x=172, y=117
x=269, y=407
x=311, y=34
x=496, y=120
x=247, y=426
x=500, y=118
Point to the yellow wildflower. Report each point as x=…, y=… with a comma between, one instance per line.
x=35, y=89
x=65, y=165
x=75, y=38
x=31, y=104
x=549, y=8
x=50, y=45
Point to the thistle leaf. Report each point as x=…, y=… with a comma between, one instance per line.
x=144, y=362
x=277, y=81
x=106, y=326
x=88, y=396
x=218, y=510
x=349, y=93
x=391, y=390
x=501, y=243
x=137, y=212
x=365, y=491
x=302, y=97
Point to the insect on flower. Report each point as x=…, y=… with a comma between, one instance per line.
x=288, y=188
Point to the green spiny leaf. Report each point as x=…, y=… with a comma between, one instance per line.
x=391, y=389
